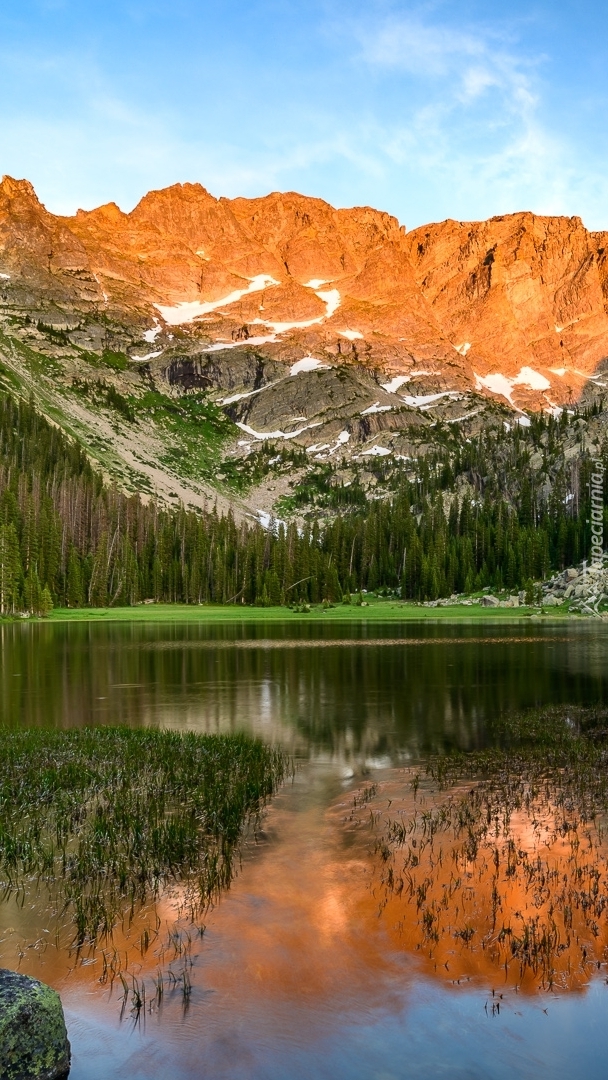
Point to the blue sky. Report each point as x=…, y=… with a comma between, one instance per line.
x=429, y=110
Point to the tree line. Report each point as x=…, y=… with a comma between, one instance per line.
x=68, y=539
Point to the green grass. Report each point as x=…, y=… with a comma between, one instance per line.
x=197, y=429
x=36, y=363
x=118, y=361
x=107, y=818
x=376, y=611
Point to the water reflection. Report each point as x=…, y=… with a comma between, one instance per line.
x=348, y=693
x=297, y=976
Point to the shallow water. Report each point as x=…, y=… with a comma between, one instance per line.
x=298, y=975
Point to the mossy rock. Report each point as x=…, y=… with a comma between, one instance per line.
x=33, y=1038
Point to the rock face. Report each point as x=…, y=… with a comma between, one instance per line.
x=525, y=296
x=515, y=307
x=33, y=1038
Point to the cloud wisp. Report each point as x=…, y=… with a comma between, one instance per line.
x=416, y=113
x=472, y=124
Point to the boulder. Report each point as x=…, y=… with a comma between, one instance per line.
x=490, y=601
x=570, y=575
x=33, y=1038
x=552, y=601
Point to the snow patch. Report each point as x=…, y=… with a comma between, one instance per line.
x=352, y=335
x=561, y=371
x=316, y=282
x=332, y=298
x=148, y=356
x=185, y=312
x=529, y=377
x=459, y=419
x=496, y=384
x=376, y=407
x=265, y=519
x=248, y=393
x=326, y=448
x=5, y=277
x=376, y=451
x=283, y=327
x=260, y=340
x=524, y=421
x=398, y=381
x=307, y=363
x=502, y=385
x=262, y=435
x=151, y=335
x=583, y=374
x=426, y=399
x=558, y=329
x=464, y=348
x=104, y=294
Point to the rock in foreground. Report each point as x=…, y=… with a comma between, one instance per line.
x=33, y=1038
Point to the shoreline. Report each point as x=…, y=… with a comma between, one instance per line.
x=375, y=611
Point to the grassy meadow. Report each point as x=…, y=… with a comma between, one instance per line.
x=375, y=611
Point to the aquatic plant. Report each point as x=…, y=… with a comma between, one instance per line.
x=106, y=818
x=503, y=853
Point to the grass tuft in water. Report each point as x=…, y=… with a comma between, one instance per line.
x=501, y=863
x=108, y=817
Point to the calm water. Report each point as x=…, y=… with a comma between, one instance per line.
x=297, y=976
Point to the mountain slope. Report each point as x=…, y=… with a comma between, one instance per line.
x=213, y=350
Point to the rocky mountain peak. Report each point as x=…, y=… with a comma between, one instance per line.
x=15, y=189
x=515, y=307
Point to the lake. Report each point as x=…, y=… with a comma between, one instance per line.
x=299, y=973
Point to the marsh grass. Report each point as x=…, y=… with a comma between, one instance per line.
x=497, y=863
x=105, y=819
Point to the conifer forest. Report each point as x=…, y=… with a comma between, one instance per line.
x=473, y=515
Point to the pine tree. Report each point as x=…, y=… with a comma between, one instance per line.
x=10, y=569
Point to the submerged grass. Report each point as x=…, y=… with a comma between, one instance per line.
x=501, y=862
x=108, y=817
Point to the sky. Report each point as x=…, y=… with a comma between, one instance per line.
x=426, y=110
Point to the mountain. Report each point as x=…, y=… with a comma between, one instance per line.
x=219, y=351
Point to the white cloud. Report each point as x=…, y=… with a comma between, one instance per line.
x=476, y=132
x=413, y=46
x=470, y=62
